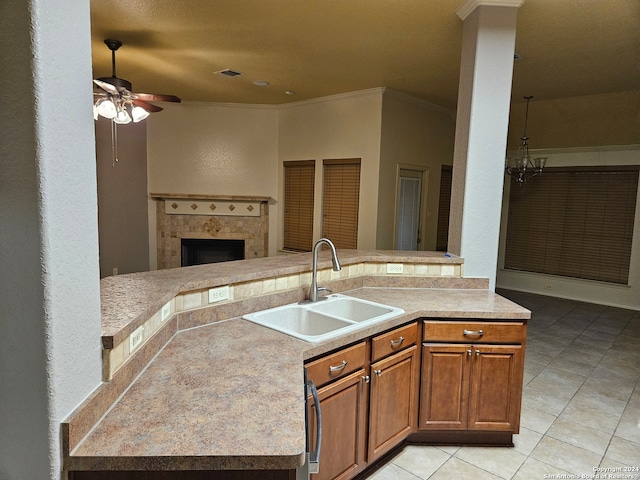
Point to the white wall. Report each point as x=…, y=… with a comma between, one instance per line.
x=340, y=126
x=50, y=352
x=213, y=149
x=584, y=290
x=413, y=133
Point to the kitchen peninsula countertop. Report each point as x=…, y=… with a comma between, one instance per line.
x=229, y=395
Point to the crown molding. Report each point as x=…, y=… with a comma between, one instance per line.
x=470, y=5
x=397, y=94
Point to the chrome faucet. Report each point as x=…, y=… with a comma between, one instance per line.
x=313, y=291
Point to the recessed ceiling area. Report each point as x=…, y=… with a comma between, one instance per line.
x=315, y=49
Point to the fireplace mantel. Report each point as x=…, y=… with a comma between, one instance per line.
x=200, y=196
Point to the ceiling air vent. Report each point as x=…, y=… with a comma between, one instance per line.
x=229, y=73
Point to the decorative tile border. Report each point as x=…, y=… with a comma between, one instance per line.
x=237, y=208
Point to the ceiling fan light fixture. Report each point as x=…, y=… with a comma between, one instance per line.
x=106, y=108
x=122, y=117
x=138, y=114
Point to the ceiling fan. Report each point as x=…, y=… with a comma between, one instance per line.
x=117, y=102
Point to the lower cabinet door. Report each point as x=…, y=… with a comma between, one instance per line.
x=496, y=388
x=392, y=402
x=343, y=406
x=444, y=395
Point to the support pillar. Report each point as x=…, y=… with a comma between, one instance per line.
x=484, y=94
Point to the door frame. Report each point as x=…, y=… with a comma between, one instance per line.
x=423, y=202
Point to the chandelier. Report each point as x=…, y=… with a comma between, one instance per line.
x=522, y=167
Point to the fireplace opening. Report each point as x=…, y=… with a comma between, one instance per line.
x=199, y=251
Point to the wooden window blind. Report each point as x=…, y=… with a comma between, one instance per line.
x=299, y=178
x=341, y=200
x=574, y=222
x=444, y=206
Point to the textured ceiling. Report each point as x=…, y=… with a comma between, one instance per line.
x=568, y=48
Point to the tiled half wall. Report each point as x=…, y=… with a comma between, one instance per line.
x=413, y=276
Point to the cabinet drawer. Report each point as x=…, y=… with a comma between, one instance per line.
x=393, y=341
x=473, y=332
x=337, y=365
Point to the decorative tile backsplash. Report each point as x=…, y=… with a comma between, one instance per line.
x=115, y=358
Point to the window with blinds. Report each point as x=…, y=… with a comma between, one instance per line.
x=444, y=206
x=574, y=222
x=299, y=178
x=340, y=202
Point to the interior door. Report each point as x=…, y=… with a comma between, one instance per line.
x=409, y=209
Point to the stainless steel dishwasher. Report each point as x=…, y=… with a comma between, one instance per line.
x=312, y=461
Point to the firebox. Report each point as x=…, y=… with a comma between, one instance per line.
x=198, y=251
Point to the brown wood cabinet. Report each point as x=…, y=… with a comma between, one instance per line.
x=343, y=404
x=369, y=411
x=343, y=396
x=392, y=401
x=472, y=385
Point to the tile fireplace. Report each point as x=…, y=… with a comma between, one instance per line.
x=189, y=219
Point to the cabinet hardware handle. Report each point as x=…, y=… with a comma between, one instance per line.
x=337, y=368
x=469, y=352
x=395, y=343
x=477, y=353
x=378, y=372
x=366, y=378
x=473, y=332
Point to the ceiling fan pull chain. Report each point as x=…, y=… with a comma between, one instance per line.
x=114, y=144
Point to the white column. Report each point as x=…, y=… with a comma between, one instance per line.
x=50, y=355
x=484, y=93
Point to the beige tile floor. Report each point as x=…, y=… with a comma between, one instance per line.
x=580, y=406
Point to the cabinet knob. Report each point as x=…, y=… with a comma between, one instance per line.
x=366, y=378
x=378, y=372
x=469, y=352
x=477, y=353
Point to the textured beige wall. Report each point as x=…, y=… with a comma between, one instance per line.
x=122, y=199
x=214, y=149
x=413, y=133
x=341, y=126
x=587, y=121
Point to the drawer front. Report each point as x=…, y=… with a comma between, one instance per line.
x=393, y=341
x=337, y=365
x=473, y=332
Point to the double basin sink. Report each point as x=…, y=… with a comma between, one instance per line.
x=328, y=318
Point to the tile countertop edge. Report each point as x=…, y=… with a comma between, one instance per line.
x=275, y=349
x=185, y=462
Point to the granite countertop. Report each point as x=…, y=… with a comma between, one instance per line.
x=229, y=395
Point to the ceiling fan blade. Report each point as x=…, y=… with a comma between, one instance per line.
x=107, y=87
x=149, y=107
x=152, y=97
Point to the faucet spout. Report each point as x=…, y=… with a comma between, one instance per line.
x=313, y=291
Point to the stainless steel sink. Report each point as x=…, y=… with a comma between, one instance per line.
x=324, y=319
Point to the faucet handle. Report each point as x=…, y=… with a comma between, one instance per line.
x=324, y=289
